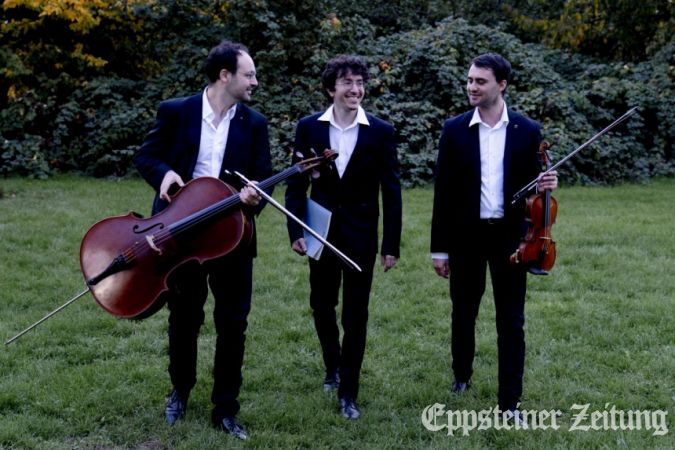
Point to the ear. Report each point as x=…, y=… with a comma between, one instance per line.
x=502, y=85
x=331, y=92
x=224, y=75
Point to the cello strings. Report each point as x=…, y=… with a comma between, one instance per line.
x=231, y=201
x=141, y=247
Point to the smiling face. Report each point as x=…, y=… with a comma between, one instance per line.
x=348, y=92
x=483, y=89
x=239, y=85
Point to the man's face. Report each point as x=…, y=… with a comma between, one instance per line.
x=482, y=87
x=241, y=83
x=349, y=91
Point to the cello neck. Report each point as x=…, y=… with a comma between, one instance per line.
x=227, y=203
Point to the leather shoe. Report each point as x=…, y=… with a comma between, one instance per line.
x=517, y=418
x=229, y=425
x=331, y=381
x=348, y=408
x=460, y=386
x=175, y=408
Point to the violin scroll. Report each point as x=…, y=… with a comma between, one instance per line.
x=316, y=161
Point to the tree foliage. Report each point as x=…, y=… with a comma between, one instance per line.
x=82, y=79
x=618, y=28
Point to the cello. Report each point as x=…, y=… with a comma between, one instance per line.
x=126, y=260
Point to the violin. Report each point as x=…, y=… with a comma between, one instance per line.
x=537, y=249
x=126, y=260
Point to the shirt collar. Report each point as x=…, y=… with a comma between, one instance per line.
x=361, y=118
x=207, y=111
x=504, y=119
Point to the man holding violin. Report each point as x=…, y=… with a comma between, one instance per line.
x=485, y=156
x=205, y=135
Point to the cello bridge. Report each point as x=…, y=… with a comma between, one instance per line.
x=151, y=242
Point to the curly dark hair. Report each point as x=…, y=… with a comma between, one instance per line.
x=340, y=66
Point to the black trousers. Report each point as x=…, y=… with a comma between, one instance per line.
x=492, y=249
x=230, y=280
x=325, y=277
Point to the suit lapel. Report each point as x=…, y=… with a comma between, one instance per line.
x=321, y=138
x=194, y=112
x=510, y=145
x=324, y=137
x=235, y=139
x=511, y=130
x=474, y=155
x=362, y=143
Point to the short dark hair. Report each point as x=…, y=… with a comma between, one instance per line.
x=223, y=56
x=499, y=65
x=340, y=66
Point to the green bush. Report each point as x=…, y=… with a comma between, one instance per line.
x=572, y=97
x=92, y=121
x=23, y=157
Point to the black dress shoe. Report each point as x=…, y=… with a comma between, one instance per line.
x=348, y=408
x=515, y=416
x=332, y=381
x=175, y=407
x=460, y=386
x=230, y=425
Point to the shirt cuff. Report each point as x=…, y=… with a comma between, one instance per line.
x=439, y=256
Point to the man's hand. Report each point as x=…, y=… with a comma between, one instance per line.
x=299, y=246
x=169, y=179
x=547, y=181
x=442, y=267
x=388, y=261
x=249, y=196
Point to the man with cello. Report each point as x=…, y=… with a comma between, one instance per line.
x=208, y=134
x=484, y=156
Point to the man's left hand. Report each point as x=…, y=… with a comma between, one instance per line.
x=249, y=196
x=388, y=261
x=547, y=181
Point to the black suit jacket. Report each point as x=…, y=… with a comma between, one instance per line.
x=354, y=198
x=173, y=144
x=456, y=209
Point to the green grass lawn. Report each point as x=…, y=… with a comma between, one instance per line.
x=599, y=332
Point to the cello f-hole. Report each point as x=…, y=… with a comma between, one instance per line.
x=137, y=230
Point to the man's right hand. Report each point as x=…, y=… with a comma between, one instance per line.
x=442, y=267
x=170, y=178
x=299, y=246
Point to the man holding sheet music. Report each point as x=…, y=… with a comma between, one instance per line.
x=346, y=195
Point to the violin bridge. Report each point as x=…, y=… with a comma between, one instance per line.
x=151, y=242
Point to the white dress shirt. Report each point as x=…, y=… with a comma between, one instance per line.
x=492, y=141
x=213, y=140
x=343, y=139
